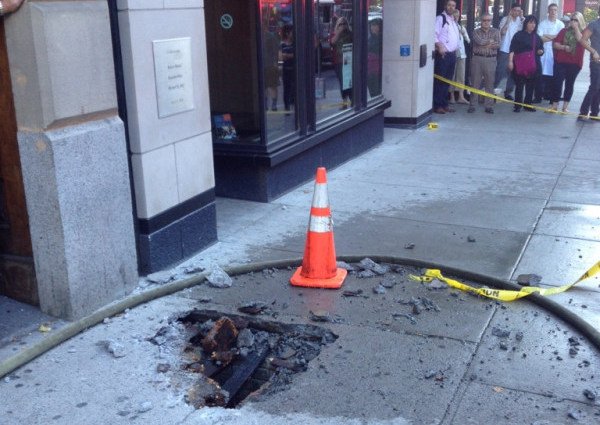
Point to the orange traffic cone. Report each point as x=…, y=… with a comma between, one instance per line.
x=319, y=269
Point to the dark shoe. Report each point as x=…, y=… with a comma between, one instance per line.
x=508, y=97
x=517, y=108
x=447, y=109
x=489, y=110
x=439, y=111
x=537, y=101
x=529, y=109
x=583, y=118
x=471, y=109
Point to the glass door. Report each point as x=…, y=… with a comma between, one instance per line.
x=279, y=67
x=334, y=40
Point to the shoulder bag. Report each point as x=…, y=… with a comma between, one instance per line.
x=524, y=62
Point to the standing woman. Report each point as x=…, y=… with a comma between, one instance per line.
x=568, y=60
x=524, y=62
x=461, y=57
x=342, y=35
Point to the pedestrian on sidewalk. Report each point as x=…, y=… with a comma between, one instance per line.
x=486, y=41
x=446, y=45
x=523, y=42
x=509, y=26
x=590, y=40
x=547, y=30
x=568, y=61
x=461, y=58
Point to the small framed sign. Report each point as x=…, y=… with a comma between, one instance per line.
x=173, y=72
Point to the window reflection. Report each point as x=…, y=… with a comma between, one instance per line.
x=334, y=41
x=279, y=68
x=374, y=51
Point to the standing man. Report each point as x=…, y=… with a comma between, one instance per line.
x=509, y=26
x=446, y=45
x=590, y=40
x=548, y=29
x=486, y=42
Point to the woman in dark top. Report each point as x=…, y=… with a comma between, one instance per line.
x=288, y=74
x=374, y=57
x=342, y=36
x=526, y=40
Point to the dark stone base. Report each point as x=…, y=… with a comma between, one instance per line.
x=241, y=178
x=408, y=123
x=178, y=239
x=17, y=279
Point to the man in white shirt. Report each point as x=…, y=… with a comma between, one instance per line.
x=547, y=30
x=509, y=26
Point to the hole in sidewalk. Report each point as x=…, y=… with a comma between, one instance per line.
x=237, y=357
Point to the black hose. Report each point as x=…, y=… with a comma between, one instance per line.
x=74, y=328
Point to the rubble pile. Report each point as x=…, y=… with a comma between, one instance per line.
x=234, y=356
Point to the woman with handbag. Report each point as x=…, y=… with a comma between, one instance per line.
x=524, y=62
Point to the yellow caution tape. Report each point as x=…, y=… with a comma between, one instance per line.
x=432, y=126
x=501, y=99
x=503, y=294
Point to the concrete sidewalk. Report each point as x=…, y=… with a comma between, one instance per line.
x=501, y=194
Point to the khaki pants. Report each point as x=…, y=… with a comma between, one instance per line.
x=483, y=68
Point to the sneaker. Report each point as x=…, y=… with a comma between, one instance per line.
x=537, y=101
x=529, y=109
x=471, y=109
x=517, y=108
x=508, y=97
x=489, y=111
x=582, y=118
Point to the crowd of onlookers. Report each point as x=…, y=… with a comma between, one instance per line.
x=538, y=60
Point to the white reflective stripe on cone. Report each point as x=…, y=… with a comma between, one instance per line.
x=320, y=197
x=320, y=224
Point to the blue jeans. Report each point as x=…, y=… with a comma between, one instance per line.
x=502, y=72
x=444, y=67
x=591, y=101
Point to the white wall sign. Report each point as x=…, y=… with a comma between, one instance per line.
x=173, y=72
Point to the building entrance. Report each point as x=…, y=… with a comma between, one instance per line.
x=17, y=276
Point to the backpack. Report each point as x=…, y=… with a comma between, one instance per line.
x=444, y=20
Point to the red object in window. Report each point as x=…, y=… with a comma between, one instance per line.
x=569, y=6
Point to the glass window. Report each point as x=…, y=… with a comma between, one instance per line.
x=279, y=67
x=334, y=39
x=233, y=71
x=374, y=48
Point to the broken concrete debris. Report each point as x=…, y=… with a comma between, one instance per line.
x=388, y=282
x=379, y=289
x=113, y=347
x=319, y=316
x=500, y=333
x=589, y=394
x=529, y=279
x=218, y=278
x=351, y=293
x=368, y=264
x=161, y=277
x=253, y=307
